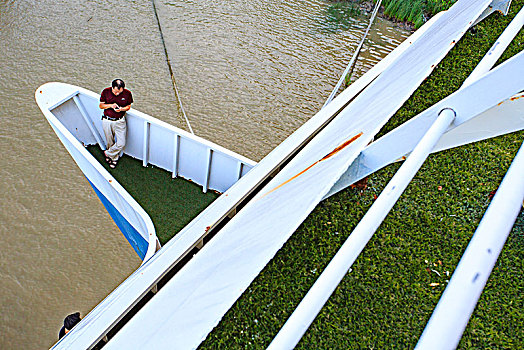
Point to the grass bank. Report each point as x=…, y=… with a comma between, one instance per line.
x=414, y=13
x=392, y=289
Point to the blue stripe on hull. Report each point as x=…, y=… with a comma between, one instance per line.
x=134, y=238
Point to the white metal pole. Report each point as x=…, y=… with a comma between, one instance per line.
x=450, y=317
x=489, y=60
x=310, y=306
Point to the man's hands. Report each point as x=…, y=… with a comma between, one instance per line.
x=114, y=106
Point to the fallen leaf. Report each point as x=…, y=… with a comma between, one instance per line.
x=361, y=185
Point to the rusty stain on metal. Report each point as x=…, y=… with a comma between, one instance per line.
x=514, y=98
x=342, y=146
x=329, y=155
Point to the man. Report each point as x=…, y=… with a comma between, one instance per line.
x=115, y=101
x=69, y=322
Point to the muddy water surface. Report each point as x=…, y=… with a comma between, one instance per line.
x=249, y=74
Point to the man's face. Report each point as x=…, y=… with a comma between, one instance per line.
x=117, y=91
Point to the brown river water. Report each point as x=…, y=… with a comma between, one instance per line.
x=249, y=73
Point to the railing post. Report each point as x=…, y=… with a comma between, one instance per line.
x=145, y=153
x=240, y=166
x=208, y=169
x=176, y=152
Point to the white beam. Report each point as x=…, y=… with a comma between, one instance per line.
x=450, y=317
x=489, y=60
x=473, y=103
x=310, y=306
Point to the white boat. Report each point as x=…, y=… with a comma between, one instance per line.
x=74, y=115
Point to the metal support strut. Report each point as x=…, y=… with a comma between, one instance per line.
x=310, y=306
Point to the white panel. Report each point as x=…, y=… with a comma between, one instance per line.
x=161, y=145
x=95, y=114
x=69, y=115
x=479, y=107
x=224, y=172
x=192, y=162
x=135, y=136
x=245, y=169
x=504, y=118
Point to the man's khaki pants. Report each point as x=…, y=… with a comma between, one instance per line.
x=115, y=132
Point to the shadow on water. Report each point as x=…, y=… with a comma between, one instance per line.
x=340, y=15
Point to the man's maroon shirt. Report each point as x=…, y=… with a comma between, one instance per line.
x=124, y=99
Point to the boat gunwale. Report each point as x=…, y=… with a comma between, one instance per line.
x=55, y=122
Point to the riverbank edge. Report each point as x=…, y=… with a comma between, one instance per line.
x=394, y=285
x=395, y=16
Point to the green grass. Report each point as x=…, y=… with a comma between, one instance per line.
x=387, y=298
x=171, y=203
x=414, y=11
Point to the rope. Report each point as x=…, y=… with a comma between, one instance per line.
x=171, y=69
x=355, y=56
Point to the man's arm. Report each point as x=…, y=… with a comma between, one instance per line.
x=104, y=105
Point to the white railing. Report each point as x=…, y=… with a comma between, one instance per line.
x=74, y=114
x=163, y=145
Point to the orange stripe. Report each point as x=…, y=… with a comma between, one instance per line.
x=330, y=154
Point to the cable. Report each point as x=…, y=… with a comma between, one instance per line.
x=355, y=55
x=171, y=69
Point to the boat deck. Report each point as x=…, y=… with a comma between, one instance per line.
x=171, y=203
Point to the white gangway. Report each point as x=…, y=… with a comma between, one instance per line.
x=310, y=161
x=472, y=99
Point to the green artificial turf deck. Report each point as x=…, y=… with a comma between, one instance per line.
x=171, y=203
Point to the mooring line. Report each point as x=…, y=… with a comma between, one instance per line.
x=171, y=69
x=355, y=56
